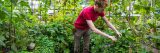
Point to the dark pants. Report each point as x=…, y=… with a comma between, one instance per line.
x=86, y=40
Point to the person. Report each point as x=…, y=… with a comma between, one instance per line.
x=84, y=22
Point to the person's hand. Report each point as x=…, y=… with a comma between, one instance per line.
x=113, y=38
x=119, y=34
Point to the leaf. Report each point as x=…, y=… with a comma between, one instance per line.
x=14, y=1
x=5, y=11
x=67, y=51
x=2, y=43
x=13, y=47
x=108, y=9
x=0, y=5
x=23, y=3
x=2, y=38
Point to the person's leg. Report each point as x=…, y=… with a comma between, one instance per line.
x=77, y=37
x=86, y=41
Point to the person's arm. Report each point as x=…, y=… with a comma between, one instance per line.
x=94, y=29
x=111, y=26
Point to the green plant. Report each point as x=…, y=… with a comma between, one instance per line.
x=20, y=25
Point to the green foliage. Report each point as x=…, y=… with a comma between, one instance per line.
x=19, y=26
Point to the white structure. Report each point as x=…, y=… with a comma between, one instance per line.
x=35, y=4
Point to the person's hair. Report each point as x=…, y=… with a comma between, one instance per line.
x=100, y=3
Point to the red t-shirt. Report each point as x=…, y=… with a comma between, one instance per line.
x=87, y=13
